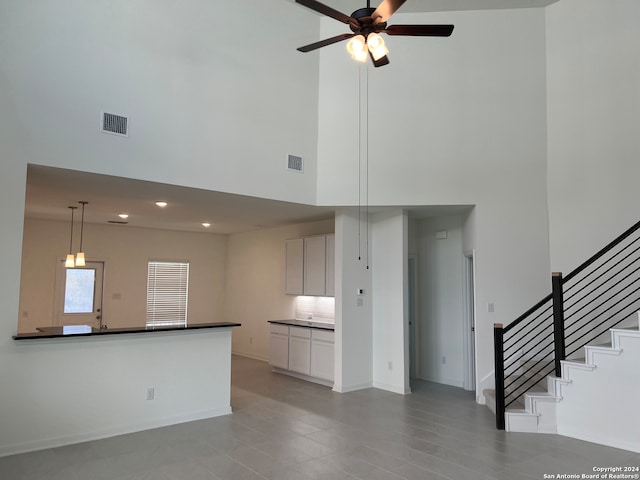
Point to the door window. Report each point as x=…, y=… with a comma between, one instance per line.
x=79, y=290
x=79, y=295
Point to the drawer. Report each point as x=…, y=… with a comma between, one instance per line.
x=323, y=335
x=281, y=329
x=299, y=332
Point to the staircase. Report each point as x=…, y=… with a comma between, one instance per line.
x=571, y=363
x=606, y=370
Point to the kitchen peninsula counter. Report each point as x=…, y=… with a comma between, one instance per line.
x=58, y=332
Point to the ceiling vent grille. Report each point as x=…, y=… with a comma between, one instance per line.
x=114, y=124
x=295, y=164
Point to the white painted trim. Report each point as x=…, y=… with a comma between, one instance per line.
x=469, y=315
x=113, y=431
x=392, y=388
x=302, y=376
x=445, y=381
x=416, y=316
x=247, y=355
x=351, y=388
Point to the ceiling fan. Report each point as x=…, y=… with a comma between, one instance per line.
x=366, y=24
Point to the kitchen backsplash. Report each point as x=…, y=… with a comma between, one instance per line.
x=318, y=309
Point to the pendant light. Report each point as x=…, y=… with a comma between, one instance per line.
x=80, y=256
x=70, y=262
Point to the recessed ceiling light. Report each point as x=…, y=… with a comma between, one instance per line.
x=123, y=216
x=206, y=224
x=161, y=204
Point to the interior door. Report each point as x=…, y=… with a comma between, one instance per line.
x=79, y=295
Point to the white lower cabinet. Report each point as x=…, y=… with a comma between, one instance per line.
x=307, y=352
x=279, y=346
x=322, y=354
x=300, y=350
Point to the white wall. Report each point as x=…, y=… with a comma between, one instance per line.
x=255, y=283
x=440, y=325
x=593, y=73
x=212, y=103
x=460, y=120
x=354, y=325
x=389, y=237
x=126, y=252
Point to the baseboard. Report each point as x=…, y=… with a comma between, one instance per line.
x=248, y=355
x=601, y=440
x=302, y=376
x=6, y=450
x=444, y=381
x=352, y=388
x=392, y=388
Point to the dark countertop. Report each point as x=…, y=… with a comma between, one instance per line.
x=305, y=323
x=57, y=332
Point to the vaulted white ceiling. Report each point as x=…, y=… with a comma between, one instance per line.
x=416, y=6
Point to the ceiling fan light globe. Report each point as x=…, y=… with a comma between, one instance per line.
x=374, y=41
x=376, y=46
x=360, y=56
x=356, y=45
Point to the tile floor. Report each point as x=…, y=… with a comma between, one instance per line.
x=283, y=428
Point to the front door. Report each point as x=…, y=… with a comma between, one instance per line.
x=79, y=295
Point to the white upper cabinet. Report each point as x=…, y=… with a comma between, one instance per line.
x=294, y=279
x=315, y=255
x=310, y=266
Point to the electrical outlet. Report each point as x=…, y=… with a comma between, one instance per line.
x=444, y=360
x=151, y=393
x=250, y=340
x=390, y=365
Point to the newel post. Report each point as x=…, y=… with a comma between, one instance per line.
x=558, y=320
x=498, y=345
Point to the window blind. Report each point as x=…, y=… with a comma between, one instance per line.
x=167, y=293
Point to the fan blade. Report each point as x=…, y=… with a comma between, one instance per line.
x=325, y=10
x=420, y=30
x=385, y=10
x=325, y=42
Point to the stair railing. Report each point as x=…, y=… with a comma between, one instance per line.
x=582, y=306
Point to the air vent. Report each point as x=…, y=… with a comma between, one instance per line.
x=114, y=124
x=295, y=164
x=117, y=222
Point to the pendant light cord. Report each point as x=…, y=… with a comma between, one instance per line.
x=367, y=166
x=82, y=224
x=71, y=235
x=359, y=163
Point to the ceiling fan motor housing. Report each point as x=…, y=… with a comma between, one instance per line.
x=364, y=25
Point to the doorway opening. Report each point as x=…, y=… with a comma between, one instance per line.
x=413, y=316
x=469, y=335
